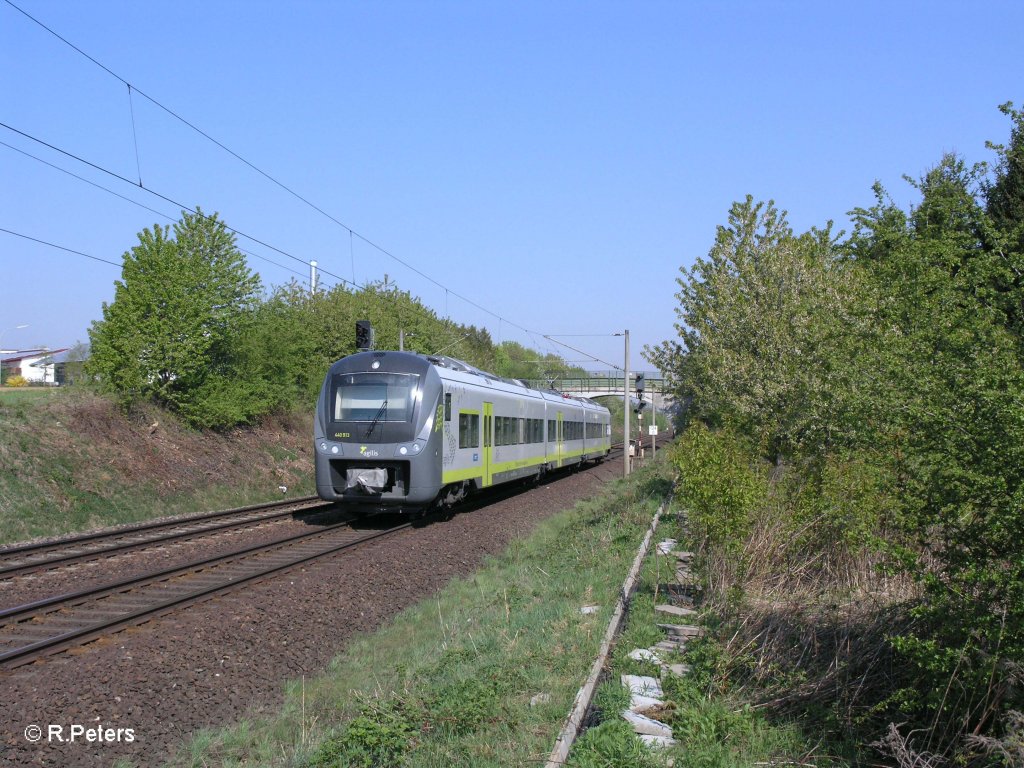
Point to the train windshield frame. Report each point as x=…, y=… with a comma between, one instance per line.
x=374, y=397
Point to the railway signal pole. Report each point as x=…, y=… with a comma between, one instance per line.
x=625, y=410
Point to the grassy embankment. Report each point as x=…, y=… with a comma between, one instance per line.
x=450, y=682
x=70, y=461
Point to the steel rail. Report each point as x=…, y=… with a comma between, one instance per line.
x=40, y=549
x=183, y=520
x=27, y=653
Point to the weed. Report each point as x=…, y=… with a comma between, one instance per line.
x=377, y=737
x=612, y=744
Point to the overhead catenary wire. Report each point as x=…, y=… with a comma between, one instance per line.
x=163, y=197
x=581, y=352
x=263, y=173
x=234, y=230
x=60, y=247
x=352, y=233
x=135, y=202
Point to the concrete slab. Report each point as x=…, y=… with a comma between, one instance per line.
x=670, y=646
x=657, y=742
x=682, y=630
x=675, y=610
x=644, y=654
x=647, y=725
x=642, y=685
x=638, y=703
x=677, y=670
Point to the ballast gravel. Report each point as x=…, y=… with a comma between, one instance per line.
x=231, y=656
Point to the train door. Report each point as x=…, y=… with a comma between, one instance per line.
x=488, y=441
x=559, y=446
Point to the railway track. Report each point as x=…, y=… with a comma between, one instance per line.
x=31, y=558
x=29, y=632
x=54, y=624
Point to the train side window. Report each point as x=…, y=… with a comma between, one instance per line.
x=447, y=406
x=551, y=431
x=469, y=430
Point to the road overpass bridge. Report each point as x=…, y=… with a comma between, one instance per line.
x=606, y=385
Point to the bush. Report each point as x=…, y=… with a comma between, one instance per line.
x=721, y=484
x=16, y=381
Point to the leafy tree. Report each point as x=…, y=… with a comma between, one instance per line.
x=954, y=429
x=887, y=371
x=170, y=333
x=758, y=322
x=1004, y=196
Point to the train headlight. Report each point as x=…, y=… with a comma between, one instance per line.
x=323, y=446
x=334, y=449
x=403, y=450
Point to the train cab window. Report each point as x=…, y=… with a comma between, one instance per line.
x=469, y=430
x=374, y=396
x=447, y=406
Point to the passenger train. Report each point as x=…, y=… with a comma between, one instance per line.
x=404, y=432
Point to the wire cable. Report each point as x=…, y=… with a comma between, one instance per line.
x=261, y=172
x=136, y=202
x=60, y=247
x=165, y=198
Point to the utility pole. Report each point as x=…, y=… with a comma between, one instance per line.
x=312, y=278
x=654, y=419
x=401, y=340
x=626, y=409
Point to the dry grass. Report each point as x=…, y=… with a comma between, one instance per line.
x=806, y=627
x=75, y=460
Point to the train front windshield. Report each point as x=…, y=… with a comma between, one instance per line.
x=374, y=397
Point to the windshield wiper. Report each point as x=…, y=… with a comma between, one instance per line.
x=380, y=412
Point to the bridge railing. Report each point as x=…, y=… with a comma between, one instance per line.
x=597, y=384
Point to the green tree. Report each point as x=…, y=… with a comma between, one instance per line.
x=954, y=429
x=1004, y=196
x=171, y=332
x=758, y=324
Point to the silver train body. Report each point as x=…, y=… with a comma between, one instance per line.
x=397, y=431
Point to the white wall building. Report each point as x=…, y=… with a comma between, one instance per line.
x=36, y=365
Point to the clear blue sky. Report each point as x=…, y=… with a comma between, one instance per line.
x=557, y=162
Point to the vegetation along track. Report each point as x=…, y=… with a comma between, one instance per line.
x=30, y=558
x=37, y=629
